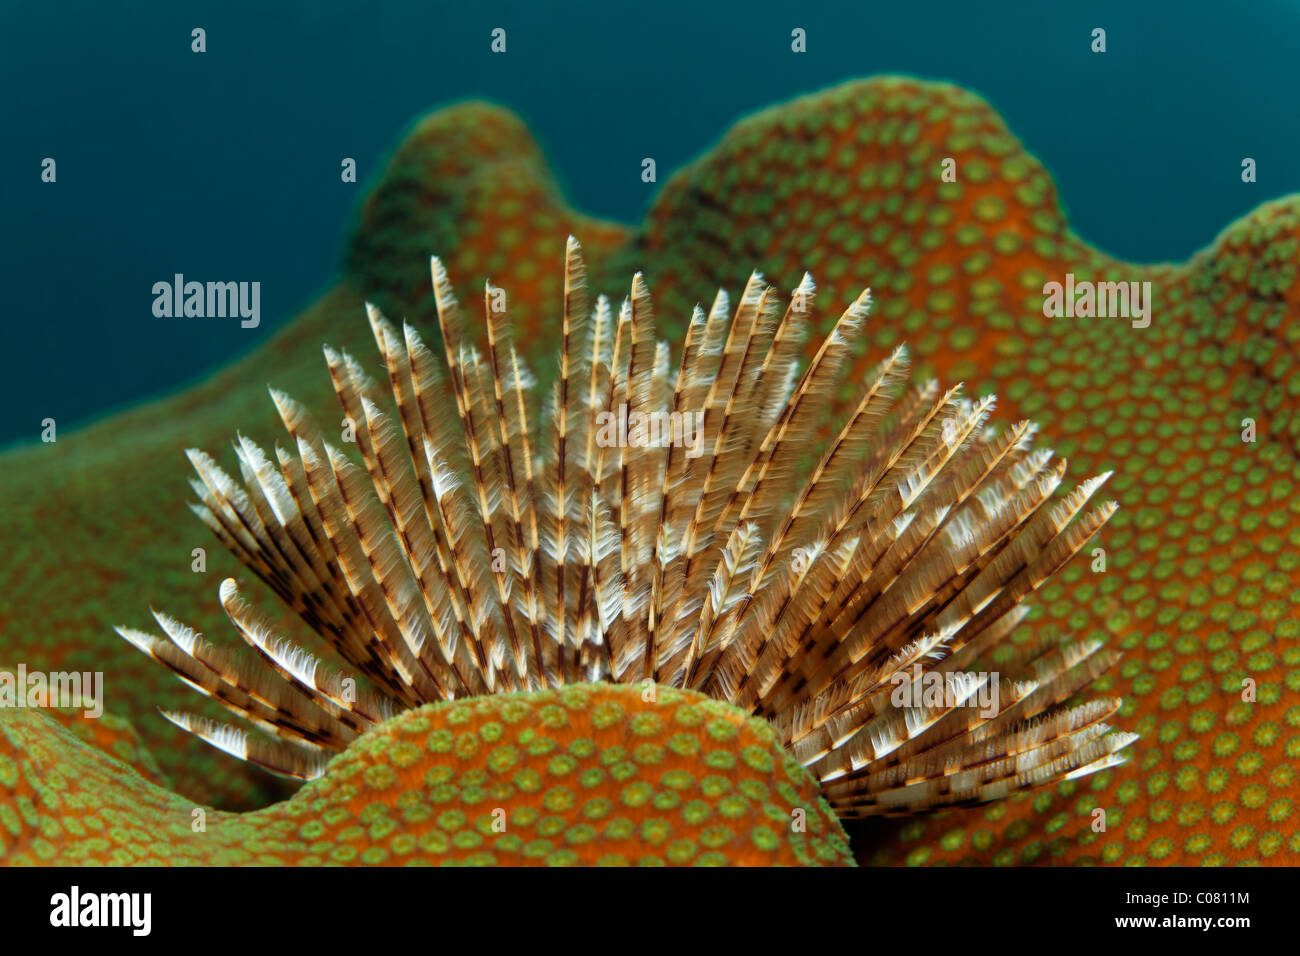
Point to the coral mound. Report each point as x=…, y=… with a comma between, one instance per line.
x=591, y=774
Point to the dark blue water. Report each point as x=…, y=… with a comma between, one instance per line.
x=226, y=165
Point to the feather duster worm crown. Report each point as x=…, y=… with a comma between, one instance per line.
x=720, y=527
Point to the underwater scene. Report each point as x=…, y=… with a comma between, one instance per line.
x=723, y=434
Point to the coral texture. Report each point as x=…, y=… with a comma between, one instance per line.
x=591, y=774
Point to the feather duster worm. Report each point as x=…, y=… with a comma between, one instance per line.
x=718, y=527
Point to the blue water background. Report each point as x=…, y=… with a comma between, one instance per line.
x=226, y=165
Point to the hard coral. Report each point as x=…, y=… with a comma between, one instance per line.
x=592, y=774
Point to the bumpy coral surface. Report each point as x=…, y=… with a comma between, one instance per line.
x=592, y=774
x=1201, y=587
